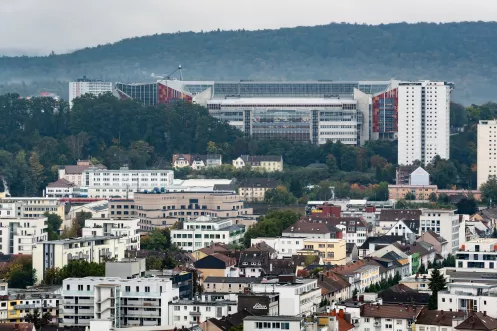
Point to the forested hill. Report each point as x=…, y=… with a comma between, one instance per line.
x=459, y=52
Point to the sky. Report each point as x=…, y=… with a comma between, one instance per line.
x=42, y=26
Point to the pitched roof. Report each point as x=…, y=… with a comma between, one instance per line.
x=394, y=215
x=478, y=321
x=306, y=227
x=227, y=322
x=247, y=257
x=387, y=240
x=439, y=238
x=349, y=247
x=332, y=282
x=414, y=248
x=260, y=247
x=61, y=182
x=343, y=324
x=401, y=295
x=16, y=326
x=78, y=169
x=215, y=248
x=228, y=261
x=233, y=280
x=438, y=317
x=390, y=311
x=259, y=182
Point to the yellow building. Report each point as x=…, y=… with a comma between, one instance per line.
x=254, y=189
x=269, y=163
x=421, y=192
x=332, y=251
x=31, y=207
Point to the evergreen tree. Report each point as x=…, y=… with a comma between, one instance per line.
x=437, y=283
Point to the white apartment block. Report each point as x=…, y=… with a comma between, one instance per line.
x=34, y=207
x=20, y=235
x=205, y=231
x=284, y=246
x=423, y=121
x=188, y=313
x=103, y=183
x=297, y=298
x=486, y=151
x=445, y=223
x=57, y=253
x=273, y=323
x=126, y=229
x=20, y=302
x=478, y=255
x=469, y=296
x=87, y=86
x=126, y=302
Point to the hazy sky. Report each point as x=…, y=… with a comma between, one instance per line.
x=62, y=25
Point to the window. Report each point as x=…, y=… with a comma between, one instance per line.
x=176, y=308
x=285, y=326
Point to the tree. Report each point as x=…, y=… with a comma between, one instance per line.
x=157, y=240
x=494, y=233
x=38, y=319
x=73, y=269
x=279, y=196
x=54, y=222
x=271, y=225
x=410, y=196
x=36, y=172
x=354, y=293
x=422, y=269
x=331, y=163
x=467, y=206
x=437, y=283
x=433, y=197
x=296, y=187
x=489, y=190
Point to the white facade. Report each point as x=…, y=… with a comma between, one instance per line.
x=57, y=253
x=284, y=246
x=478, y=255
x=188, y=312
x=34, y=207
x=273, y=323
x=126, y=302
x=444, y=223
x=423, y=121
x=487, y=151
x=419, y=177
x=103, y=183
x=77, y=89
x=20, y=235
x=206, y=230
x=478, y=297
x=301, y=298
x=127, y=229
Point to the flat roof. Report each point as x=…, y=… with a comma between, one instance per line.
x=273, y=318
x=276, y=101
x=78, y=240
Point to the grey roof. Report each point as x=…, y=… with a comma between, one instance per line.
x=259, y=182
x=261, y=158
x=349, y=247
x=232, y=280
x=78, y=240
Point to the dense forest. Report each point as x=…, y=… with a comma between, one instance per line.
x=458, y=52
x=38, y=134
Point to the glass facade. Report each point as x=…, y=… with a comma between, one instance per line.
x=145, y=93
x=289, y=124
x=385, y=112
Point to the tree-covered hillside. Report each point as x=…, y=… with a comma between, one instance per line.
x=459, y=52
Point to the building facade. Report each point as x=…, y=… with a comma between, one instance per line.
x=332, y=251
x=58, y=253
x=254, y=189
x=87, y=86
x=20, y=235
x=35, y=207
x=126, y=302
x=269, y=163
x=444, y=223
x=478, y=255
x=487, y=151
x=165, y=209
x=205, y=231
x=423, y=121
x=127, y=229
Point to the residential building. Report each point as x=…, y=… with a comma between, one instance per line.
x=403, y=174
x=127, y=230
x=74, y=173
x=269, y=163
x=34, y=207
x=61, y=188
x=300, y=297
x=332, y=251
x=255, y=260
x=122, y=183
x=423, y=121
x=229, y=284
x=389, y=217
x=373, y=244
x=418, y=283
x=353, y=229
x=165, y=209
x=126, y=302
x=98, y=209
x=478, y=255
x=444, y=223
x=438, y=242
x=419, y=177
x=469, y=297
x=196, y=161
x=404, y=228
x=225, y=323
x=20, y=235
x=20, y=302
x=217, y=265
x=254, y=189
x=478, y=321
x=259, y=304
x=420, y=192
x=388, y=317
x=266, y=323
x=352, y=252
x=206, y=230
x=87, y=86
x=186, y=313
x=57, y=253
x=439, y=320
x=284, y=246
x=486, y=151
x=360, y=274
x=307, y=230
x=334, y=287
x=404, y=295
x=209, y=250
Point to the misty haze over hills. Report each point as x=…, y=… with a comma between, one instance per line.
x=460, y=52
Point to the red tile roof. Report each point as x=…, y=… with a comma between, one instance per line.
x=398, y=311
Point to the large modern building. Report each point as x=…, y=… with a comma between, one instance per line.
x=423, y=121
x=487, y=151
x=20, y=235
x=33, y=207
x=87, y=86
